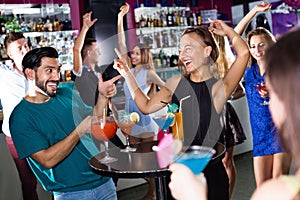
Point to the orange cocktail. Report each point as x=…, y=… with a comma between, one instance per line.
x=177, y=128
x=104, y=128
x=125, y=122
x=104, y=131
x=126, y=127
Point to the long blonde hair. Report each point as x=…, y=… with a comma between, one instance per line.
x=222, y=63
x=147, y=63
x=146, y=56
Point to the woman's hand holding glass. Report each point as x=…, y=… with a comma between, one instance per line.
x=263, y=92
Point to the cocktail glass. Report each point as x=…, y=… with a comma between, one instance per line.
x=195, y=157
x=177, y=128
x=164, y=121
x=125, y=124
x=261, y=87
x=104, y=128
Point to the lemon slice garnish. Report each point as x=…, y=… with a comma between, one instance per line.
x=134, y=117
x=173, y=116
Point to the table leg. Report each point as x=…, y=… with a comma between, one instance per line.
x=161, y=188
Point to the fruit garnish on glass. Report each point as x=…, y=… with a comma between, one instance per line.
x=125, y=122
x=165, y=121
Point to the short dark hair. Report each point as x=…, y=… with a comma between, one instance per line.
x=87, y=43
x=11, y=37
x=32, y=59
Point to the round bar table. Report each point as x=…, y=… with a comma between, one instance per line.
x=141, y=164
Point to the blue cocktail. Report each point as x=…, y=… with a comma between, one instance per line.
x=195, y=157
x=165, y=121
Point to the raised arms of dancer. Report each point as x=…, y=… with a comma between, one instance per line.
x=121, y=35
x=242, y=25
x=77, y=59
x=236, y=70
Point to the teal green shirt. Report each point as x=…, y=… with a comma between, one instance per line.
x=35, y=127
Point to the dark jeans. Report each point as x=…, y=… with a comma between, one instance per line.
x=27, y=178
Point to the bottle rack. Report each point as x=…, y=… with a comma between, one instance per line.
x=42, y=25
x=63, y=41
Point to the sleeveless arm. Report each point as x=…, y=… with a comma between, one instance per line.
x=242, y=25
x=152, y=77
x=77, y=59
x=222, y=90
x=149, y=105
x=121, y=35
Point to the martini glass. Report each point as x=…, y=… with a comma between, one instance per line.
x=164, y=121
x=104, y=128
x=195, y=157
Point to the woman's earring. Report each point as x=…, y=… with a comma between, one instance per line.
x=31, y=88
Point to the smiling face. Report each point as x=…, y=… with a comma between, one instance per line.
x=193, y=53
x=136, y=56
x=258, y=41
x=258, y=45
x=47, y=75
x=16, y=50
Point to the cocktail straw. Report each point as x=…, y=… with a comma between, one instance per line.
x=181, y=100
x=104, y=113
x=102, y=123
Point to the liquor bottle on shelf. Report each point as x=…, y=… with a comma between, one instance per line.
x=165, y=39
x=2, y=24
x=191, y=19
x=170, y=21
x=24, y=25
x=163, y=18
x=56, y=24
x=157, y=61
x=159, y=20
x=194, y=19
x=40, y=26
x=163, y=58
x=32, y=25
x=183, y=19
x=141, y=37
x=199, y=19
x=158, y=40
x=3, y=53
x=48, y=26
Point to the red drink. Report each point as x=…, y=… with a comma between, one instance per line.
x=104, y=133
x=261, y=87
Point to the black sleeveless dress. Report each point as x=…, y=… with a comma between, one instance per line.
x=201, y=125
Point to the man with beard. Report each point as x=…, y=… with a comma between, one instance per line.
x=49, y=130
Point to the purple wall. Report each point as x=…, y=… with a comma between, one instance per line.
x=33, y=1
